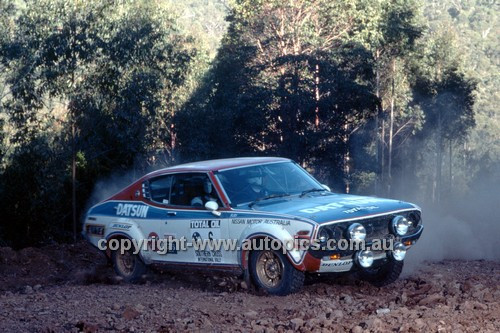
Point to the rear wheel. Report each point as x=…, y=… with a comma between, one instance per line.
x=128, y=265
x=383, y=275
x=272, y=272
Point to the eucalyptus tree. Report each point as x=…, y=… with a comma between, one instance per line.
x=290, y=79
x=472, y=23
x=94, y=83
x=447, y=97
x=397, y=27
x=7, y=15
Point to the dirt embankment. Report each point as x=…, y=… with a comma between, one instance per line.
x=70, y=288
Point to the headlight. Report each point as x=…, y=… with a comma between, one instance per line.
x=414, y=218
x=323, y=235
x=400, y=225
x=365, y=258
x=356, y=231
x=399, y=252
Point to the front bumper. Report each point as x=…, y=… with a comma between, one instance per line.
x=347, y=262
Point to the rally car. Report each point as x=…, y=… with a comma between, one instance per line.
x=248, y=199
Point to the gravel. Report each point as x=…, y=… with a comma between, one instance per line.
x=69, y=288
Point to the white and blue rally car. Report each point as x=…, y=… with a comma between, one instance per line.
x=247, y=199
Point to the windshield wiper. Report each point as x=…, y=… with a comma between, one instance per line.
x=267, y=197
x=311, y=190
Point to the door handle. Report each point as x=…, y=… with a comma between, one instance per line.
x=171, y=213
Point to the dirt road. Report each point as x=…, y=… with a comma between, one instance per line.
x=64, y=288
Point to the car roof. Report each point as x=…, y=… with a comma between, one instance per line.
x=216, y=165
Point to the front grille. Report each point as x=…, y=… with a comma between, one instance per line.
x=376, y=228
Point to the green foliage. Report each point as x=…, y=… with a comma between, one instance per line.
x=31, y=190
x=475, y=26
x=90, y=81
x=288, y=79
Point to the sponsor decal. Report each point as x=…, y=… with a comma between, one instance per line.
x=197, y=237
x=357, y=209
x=132, y=210
x=264, y=221
x=201, y=224
x=206, y=229
x=337, y=264
x=160, y=245
x=208, y=256
x=171, y=243
x=277, y=221
x=340, y=266
x=342, y=204
x=121, y=226
x=167, y=245
x=94, y=229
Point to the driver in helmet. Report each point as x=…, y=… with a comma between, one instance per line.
x=255, y=181
x=201, y=200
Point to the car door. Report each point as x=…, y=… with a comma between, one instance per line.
x=192, y=221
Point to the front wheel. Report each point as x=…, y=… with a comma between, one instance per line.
x=383, y=275
x=128, y=265
x=272, y=272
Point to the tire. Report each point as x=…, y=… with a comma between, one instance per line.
x=384, y=275
x=128, y=266
x=272, y=273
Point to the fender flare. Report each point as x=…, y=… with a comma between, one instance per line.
x=266, y=231
x=133, y=233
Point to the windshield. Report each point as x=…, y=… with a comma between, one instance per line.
x=248, y=184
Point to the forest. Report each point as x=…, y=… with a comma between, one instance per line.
x=394, y=98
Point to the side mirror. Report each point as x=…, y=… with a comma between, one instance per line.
x=326, y=187
x=212, y=206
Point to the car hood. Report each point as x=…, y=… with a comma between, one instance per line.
x=330, y=207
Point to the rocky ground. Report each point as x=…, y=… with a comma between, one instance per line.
x=71, y=289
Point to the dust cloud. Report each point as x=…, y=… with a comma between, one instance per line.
x=107, y=187
x=465, y=227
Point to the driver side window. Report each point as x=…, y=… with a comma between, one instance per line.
x=192, y=190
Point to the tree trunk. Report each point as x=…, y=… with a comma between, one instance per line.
x=382, y=157
x=391, y=128
x=72, y=114
x=73, y=176
x=347, y=158
x=316, y=88
x=439, y=159
x=377, y=117
x=450, y=175
x=173, y=142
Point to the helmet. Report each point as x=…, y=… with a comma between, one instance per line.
x=254, y=176
x=207, y=186
x=255, y=180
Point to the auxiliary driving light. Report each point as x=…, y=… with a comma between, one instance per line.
x=364, y=258
x=356, y=231
x=323, y=235
x=335, y=256
x=399, y=252
x=400, y=225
